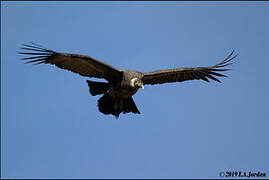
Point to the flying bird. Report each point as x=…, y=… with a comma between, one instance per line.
x=121, y=85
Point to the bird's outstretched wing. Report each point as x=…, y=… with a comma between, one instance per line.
x=83, y=65
x=184, y=74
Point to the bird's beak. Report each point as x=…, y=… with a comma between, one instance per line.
x=142, y=86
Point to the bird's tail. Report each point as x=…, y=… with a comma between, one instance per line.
x=109, y=105
x=97, y=87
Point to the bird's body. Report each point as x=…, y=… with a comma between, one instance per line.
x=121, y=85
x=118, y=96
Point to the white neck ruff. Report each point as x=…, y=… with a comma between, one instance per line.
x=133, y=81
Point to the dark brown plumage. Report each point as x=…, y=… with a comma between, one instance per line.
x=120, y=85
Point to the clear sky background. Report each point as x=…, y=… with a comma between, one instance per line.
x=51, y=126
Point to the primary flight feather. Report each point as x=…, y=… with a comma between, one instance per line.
x=121, y=85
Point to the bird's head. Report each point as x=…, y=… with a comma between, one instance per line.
x=137, y=83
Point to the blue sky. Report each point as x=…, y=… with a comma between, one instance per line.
x=51, y=127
